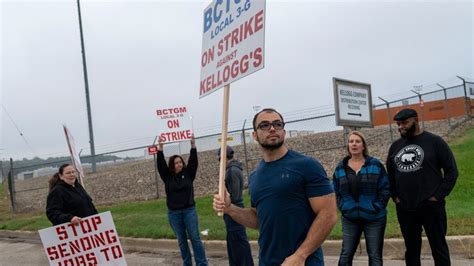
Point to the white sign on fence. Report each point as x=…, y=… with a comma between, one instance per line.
x=93, y=242
x=353, y=101
x=175, y=124
x=232, y=42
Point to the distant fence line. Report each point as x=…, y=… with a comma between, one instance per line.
x=444, y=104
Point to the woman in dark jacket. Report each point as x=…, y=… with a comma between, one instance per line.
x=182, y=215
x=67, y=200
x=362, y=191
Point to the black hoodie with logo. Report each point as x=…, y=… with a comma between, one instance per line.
x=419, y=168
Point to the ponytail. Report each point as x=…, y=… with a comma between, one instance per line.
x=53, y=181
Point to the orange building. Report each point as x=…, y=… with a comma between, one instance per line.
x=434, y=110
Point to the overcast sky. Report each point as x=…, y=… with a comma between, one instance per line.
x=143, y=55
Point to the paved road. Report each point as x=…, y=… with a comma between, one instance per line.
x=15, y=252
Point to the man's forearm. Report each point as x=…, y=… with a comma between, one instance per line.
x=244, y=216
x=318, y=232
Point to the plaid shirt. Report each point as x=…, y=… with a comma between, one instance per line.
x=373, y=190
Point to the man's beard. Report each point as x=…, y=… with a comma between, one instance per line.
x=270, y=146
x=410, y=132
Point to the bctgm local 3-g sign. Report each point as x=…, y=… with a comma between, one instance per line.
x=175, y=124
x=233, y=42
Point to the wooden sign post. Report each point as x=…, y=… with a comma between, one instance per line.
x=223, y=161
x=232, y=48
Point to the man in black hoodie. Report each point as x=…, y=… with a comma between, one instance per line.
x=418, y=186
x=238, y=247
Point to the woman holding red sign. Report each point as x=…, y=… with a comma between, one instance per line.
x=67, y=200
x=178, y=179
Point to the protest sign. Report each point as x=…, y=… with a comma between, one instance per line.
x=175, y=124
x=232, y=42
x=93, y=242
x=76, y=160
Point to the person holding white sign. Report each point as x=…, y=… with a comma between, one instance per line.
x=292, y=201
x=178, y=179
x=238, y=247
x=67, y=200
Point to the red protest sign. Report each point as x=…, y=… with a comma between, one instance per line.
x=152, y=150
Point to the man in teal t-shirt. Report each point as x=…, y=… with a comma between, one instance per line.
x=292, y=201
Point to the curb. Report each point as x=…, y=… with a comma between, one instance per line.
x=394, y=248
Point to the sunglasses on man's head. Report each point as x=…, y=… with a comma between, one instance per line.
x=266, y=125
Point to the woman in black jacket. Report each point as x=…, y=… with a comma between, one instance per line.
x=67, y=200
x=182, y=215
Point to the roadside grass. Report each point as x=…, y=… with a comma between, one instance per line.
x=10, y=221
x=459, y=204
x=149, y=219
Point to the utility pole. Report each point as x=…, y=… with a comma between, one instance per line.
x=86, y=82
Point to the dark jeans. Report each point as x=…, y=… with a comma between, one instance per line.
x=185, y=224
x=373, y=231
x=238, y=247
x=432, y=217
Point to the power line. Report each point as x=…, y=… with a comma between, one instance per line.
x=19, y=131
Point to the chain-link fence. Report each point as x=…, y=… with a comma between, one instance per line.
x=119, y=171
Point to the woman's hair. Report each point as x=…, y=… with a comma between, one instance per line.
x=55, y=178
x=171, y=163
x=364, y=143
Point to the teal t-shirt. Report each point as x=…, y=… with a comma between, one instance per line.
x=279, y=190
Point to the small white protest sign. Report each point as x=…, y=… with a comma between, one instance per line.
x=175, y=124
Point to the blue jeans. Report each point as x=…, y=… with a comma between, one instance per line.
x=185, y=224
x=374, y=233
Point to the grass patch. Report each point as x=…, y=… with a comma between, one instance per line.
x=459, y=207
x=149, y=219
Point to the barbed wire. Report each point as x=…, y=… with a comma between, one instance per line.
x=210, y=130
